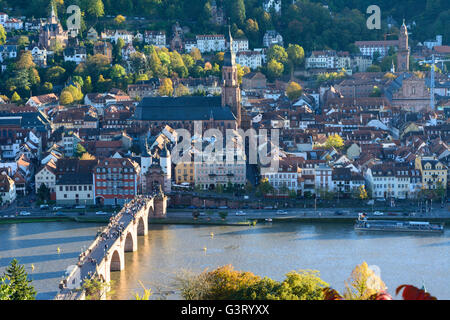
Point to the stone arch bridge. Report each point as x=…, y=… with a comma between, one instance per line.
x=107, y=252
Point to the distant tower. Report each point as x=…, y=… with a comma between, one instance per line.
x=403, y=50
x=393, y=67
x=231, y=94
x=53, y=19
x=146, y=159
x=165, y=161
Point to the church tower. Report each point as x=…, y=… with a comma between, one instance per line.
x=231, y=94
x=403, y=50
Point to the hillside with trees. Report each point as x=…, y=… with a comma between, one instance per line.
x=308, y=23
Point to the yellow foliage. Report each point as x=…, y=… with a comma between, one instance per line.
x=363, y=283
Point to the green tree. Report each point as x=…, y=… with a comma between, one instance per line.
x=301, y=285
x=264, y=188
x=294, y=91
x=96, y=8
x=96, y=288
x=238, y=11
x=277, y=53
x=80, y=150
x=66, y=98
x=18, y=282
x=43, y=193
x=296, y=54
x=334, y=141
x=274, y=69
x=5, y=289
x=55, y=74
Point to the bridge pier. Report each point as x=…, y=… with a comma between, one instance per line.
x=133, y=223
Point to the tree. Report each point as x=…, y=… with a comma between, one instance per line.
x=80, y=150
x=363, y=283
x=18, y=282
x=166, y=87
x=195, y=54
x=66, y=98
x=264, y=188
x=16, y=98
x=334, y=141
x=96, y=8
x=238, y=11
x=2, y=35
x=181, y=90
x=23, y=41
x=296, y=54
x=274, y=69
x=25, y=61
x=294, y=91
x=95, y=288
x=5, y=289
x=87, y=156
x=43, y=193
x=362, y=192
x=374, y=68
x=55, y=75
x=117, y=71
x=119, y=19
x=277, y=53
x=223, y=214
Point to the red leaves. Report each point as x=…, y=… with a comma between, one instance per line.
x=331, y=294
x=413, y=293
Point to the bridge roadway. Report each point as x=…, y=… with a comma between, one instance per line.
x=106, y=253
x=110, y=235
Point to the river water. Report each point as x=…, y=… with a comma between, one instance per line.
x=267, y=249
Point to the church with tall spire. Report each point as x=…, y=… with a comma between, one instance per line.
x=231, y=93
x=214, y=112
x=52, y=31
x=403, y=50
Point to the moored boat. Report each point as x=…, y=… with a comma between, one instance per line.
x=363, y=224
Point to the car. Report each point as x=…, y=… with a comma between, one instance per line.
x=268, y=207
x=406, y=214
x=80, y=207
x=101, y=212
x=11, y=216
x=5, y=216
x=59, y=213
x=223, y=207
x=339, y=213
x=57, y=208
x=281, y=212
x=378, y=213
x=240, y=213
x=24, y=213
x=202, y=213
x=44, y=207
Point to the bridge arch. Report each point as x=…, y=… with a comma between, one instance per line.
x=142, y=226
x=130, y=244
x=117, y=261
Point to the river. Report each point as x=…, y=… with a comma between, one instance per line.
x=266, y=249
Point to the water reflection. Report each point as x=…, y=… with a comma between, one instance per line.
x=266, y=250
